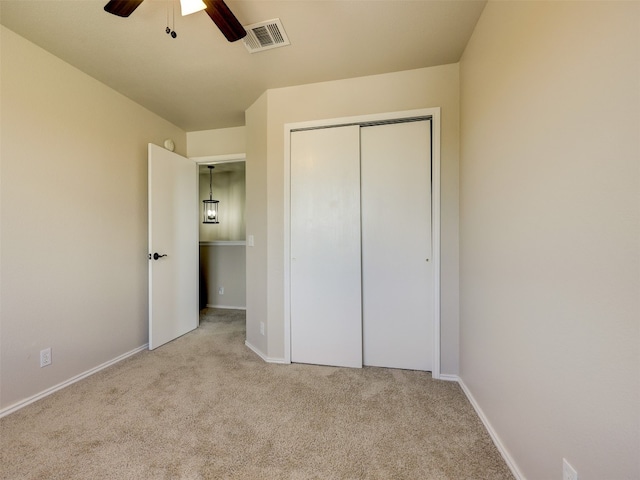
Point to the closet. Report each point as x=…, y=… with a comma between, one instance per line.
x=361, y=271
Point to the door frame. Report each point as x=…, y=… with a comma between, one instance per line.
x=427, y=113
x=218, y=160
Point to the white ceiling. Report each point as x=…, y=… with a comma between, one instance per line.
x=200, y=81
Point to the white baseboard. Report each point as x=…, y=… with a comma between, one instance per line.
x=492, y=433
x=23, y=403
x=228, y=307
x=263, y=356
x=447, y=377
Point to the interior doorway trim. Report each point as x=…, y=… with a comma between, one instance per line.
x=220, y=160
x=408, y=115
x=213, y=159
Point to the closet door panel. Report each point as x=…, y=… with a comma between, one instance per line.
x=397, y=275
x=326, y=308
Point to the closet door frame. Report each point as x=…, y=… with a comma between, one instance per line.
x=426, y=113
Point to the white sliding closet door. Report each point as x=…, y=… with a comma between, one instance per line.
x=326, y=309
x=397, y=267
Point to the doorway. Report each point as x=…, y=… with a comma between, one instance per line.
x=222, y=245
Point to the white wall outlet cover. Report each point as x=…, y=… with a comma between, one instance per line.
x=169, y=145
x=45, y=357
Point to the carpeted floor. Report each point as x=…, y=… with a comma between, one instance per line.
x=206, y=407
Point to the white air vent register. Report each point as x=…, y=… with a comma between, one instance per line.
x=265, y=36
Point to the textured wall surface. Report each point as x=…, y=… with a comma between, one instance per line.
x=550, y=228
x=74, y=219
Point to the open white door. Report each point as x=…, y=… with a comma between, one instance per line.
x=173, y=246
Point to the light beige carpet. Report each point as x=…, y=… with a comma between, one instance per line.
x=206, y=407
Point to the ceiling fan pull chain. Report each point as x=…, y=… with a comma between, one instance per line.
x=173, y=20
x=168, y=30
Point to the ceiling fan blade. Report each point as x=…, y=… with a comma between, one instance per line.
x=122, y=8
x=225, y=20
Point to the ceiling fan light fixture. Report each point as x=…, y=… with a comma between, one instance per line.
x=188, y=7
x=217, y=10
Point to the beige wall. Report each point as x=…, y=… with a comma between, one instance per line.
x=223, y=266
x=256, y=215
x=73, y=223
x=229, y=189
x=221, y=141
x=550, y=251
x=422, y=88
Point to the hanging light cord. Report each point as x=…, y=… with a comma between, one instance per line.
x=210, y=189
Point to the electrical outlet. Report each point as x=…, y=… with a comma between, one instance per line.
x=220, y=290
x=45, y=357
x=261, y=328
x=568, y=472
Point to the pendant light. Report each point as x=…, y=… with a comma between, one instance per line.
x=210, y=207
x=188, y=7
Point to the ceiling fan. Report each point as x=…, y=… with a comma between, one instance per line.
x=216, y=9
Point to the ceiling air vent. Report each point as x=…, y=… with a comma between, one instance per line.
x=265, y=35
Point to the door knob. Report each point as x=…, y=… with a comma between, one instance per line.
x=156, y=256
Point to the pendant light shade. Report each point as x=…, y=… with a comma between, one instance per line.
x=210, y=207
x=191, y=6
